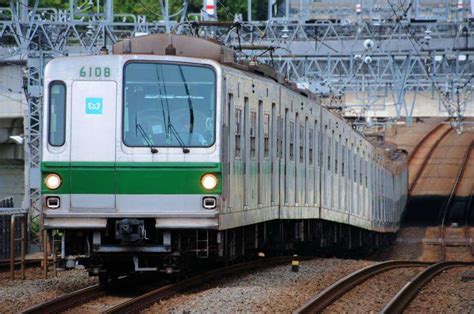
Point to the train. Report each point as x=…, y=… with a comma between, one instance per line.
x=167, y=153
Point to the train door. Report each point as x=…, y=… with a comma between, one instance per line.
x=246, y=151
x=273, y=155
x=93, y=119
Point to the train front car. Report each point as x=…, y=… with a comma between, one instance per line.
x=131, y=165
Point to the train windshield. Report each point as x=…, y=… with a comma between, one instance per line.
x=169, y=105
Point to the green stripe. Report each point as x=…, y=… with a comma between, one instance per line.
x=131, y=177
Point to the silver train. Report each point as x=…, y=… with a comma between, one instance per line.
x=166, y=153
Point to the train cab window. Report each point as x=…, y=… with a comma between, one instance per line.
x=238, y=131
x=311, y=145
x=169, y=105
x=301, y=146
x=266, y=135
x=57, y=114
x=292, y=140
x=253, y=130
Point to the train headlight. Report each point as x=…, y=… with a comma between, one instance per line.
x=52, y=181
x=209, y=181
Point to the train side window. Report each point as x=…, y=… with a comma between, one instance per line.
x=301, y=146
x=238, y=131
x=354, y=164
x=317, y=136
x=336, y=155
x=343, y=156
x=266, y=135
x=292, y=140
x=57, y=114
x=253, y=130
x=329, y=147
x=280, y=138
x=311, y=145
x=227, y=113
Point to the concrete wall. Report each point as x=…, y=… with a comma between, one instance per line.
x=12, y=99
x=426, y=105
x=12, y=108
x=12, y=182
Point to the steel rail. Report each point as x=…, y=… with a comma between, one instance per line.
x=452, y=193
x=428, y=156
x=410, y=290
x=69, y=300
x=427, y=135
x=329, y=295
x=467, y=226
x=146, y=300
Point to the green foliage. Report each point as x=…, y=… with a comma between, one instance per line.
x=35, y=229
x=226, y=9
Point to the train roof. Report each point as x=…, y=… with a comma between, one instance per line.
x=195, y=47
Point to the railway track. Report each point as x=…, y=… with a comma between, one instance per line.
x=450, y=204
x=152, y=296
x=69, y=300
x=468, y=222
x=398, y=303
x=403, y=298
x=332, y=293
x=424, y=150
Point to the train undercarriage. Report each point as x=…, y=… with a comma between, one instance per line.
x=131, y=246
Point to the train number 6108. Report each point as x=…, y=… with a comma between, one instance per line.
x=94, y=72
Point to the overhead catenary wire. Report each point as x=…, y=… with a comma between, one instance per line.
x=412, y=38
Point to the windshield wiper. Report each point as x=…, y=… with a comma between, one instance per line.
x=176, y=134
x=190, y=103
x=145, y=137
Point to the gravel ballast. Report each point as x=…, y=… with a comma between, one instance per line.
x=270, y=290
x=375, y=293
x=18, y=295
x=446, y=293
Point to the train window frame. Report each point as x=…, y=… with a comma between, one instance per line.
x=310, y=146
x=238, y=132
x=280, y=132
x=266, y=135
x=192, y=64
x=292, y=141
x=64, y=106
x=253, y=136
x=301, y=143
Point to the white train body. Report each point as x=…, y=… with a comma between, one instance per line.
x=277, y=155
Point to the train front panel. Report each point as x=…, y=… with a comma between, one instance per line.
x=131, y=160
